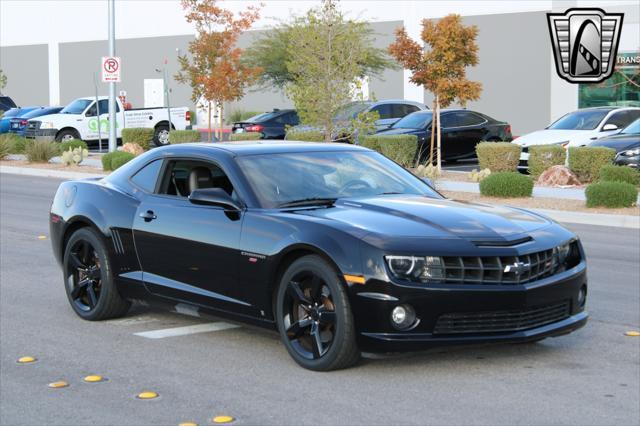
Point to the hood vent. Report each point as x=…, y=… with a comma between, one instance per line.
x=502, y=243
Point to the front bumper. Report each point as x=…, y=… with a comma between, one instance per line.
x=373, y=304
x=48, y=134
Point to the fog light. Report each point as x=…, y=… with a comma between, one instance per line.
x=403, y=317
x=582, y=296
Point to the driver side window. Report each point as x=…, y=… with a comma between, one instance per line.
x=181, y=177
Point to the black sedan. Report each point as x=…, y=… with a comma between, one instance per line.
x=462, y=130
x=271, y=125
x=334, y=245
x=627, y=145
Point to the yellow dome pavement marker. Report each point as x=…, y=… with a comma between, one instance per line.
x=58, y=384
x=94, y=379
x=26, y=359
x=188, y=424
x=42, y=237
x=147, y=395
x=632, y=333
x=223, y=419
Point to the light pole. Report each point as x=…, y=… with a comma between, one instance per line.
x=113, y=142
x=165, y=79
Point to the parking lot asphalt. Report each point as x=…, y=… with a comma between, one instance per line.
x=589, y=377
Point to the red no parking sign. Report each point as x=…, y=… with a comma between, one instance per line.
x=110, y=69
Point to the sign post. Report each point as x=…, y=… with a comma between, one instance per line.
x=113, y=65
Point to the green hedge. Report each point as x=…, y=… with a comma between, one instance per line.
x=113, y=160
x=498, y=156
x=399, y=148
x=541, y=157
x=611, y=173
x=307, y=136
x=138, y=135
x=72, y=144
x=586, y=162
x=611, y=194
x=41, y=151
x=507, y=184
x=249, y=136
x=184, y=136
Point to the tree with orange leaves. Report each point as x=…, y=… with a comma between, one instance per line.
x=213, y=67
x=442, y=68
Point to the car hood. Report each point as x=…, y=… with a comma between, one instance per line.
x=619, y=142
x=411, y=216
x=549, y=137
x=49, y=117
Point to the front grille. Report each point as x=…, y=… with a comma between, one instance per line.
x=500, y=269
x=500, y=321
x=33, y=125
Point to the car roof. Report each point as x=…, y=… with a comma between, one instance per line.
x=242, y=148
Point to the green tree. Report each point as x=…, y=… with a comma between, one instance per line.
x=325, y=56
x=441, y=69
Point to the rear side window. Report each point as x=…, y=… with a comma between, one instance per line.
x=623, y=118
x=147, y=177
x=384, y=110
x=400, y=110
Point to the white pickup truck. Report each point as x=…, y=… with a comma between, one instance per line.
x=79, y=120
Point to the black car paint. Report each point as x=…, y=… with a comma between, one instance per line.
x=274, y=127
x=457, y=142
x=622, y=142
x=234, y=272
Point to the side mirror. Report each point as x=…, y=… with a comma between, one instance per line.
x=214, y=197
x=609, y=127
x=427, y=181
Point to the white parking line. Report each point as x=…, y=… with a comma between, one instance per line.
x=183, y=331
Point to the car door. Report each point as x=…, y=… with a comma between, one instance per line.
x=190, y=252
x=463, y=130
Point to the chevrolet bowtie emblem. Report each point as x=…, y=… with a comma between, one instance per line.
x=585, y=43
x=517, y=268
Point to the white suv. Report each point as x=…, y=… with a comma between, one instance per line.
x=579, y=128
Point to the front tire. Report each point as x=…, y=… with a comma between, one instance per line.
x=161, y=135
x=314, y=316
x=67, y=135
x=88, y=278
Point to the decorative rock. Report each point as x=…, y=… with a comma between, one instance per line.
x=132, y=148
x=558, y=176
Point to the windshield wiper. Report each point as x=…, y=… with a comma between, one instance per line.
x=315, y=201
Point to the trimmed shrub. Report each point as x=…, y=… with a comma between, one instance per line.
x=498, y=156
x=139, y=135
x=41, y=151
x=307, y=136
x=113, y=160
x=248, y=136
x=399, y=148
x=121, y=159
x=541, y=157
x=507, y=185
x=611, y=194
x=184, y=136
x=611, y=173
x=71, y=145
x=586, y=161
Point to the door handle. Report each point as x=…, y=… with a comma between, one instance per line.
x=148, y=216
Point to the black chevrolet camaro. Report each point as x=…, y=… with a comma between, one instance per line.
x=335, y=246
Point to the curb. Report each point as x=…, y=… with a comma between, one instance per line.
x=599, y=219
x=61, y=174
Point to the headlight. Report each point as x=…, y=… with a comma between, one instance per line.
x=631, y=152
x=414, y=268
x=563, y=144
x=563, y=252
x=46, y=125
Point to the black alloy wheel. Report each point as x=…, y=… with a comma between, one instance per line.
x=88, y=278
x=314, y=316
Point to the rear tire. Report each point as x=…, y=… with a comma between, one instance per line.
x=161, y=135
x=314, y=316
x=88, y=278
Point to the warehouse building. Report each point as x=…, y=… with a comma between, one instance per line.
x=51, y=52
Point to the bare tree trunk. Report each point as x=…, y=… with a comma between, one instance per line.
x=433, y=129
x=439, y=136
x=221, y=122
x=209, y=110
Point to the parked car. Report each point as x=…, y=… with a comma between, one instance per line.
x=19, y=123
x=627, y=145
x=6, y=103
x=579, y=128
x=79, y=120
x=390, y=111
x=462, y=130
x=5, y=120
x=271, y=125
x=334, y=246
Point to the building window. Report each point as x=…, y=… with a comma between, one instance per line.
x=616, y=90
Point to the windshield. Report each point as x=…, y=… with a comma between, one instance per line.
x=416, y=120
x=580, y=120
x=351, y=110
x=76, y=107
x=633, y=128
x=279, y=179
